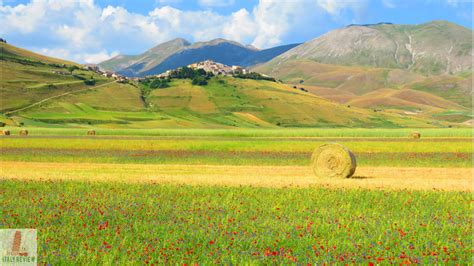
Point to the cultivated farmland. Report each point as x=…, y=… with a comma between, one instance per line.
x=238, y=196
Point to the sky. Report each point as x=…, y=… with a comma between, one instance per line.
x=91, y=31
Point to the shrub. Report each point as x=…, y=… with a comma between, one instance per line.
x=199, y=80
x=90, y=82
x=158, y=83
x=72, y=68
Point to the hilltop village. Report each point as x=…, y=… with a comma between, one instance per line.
x=208, y=66
x=212, y=67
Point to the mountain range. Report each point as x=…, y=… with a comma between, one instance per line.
x=437, y=47
x=385, y=66
x=179, y=52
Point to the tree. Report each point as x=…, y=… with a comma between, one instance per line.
x=199, y=80
x=72, y=68
x=89, y=82
x=159, y=83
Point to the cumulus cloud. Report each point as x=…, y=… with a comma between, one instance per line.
x=335, y=7
x=214, y=3
x=389, y=3
x=82, y=31
x=88, y=58
x=240, y=27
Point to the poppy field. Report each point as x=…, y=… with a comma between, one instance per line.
x=209, y=197
x=116, y=223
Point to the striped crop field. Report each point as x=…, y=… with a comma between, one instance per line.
x=239, y=196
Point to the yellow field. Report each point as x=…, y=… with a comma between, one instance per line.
x=398, y=178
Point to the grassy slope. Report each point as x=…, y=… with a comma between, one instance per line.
x=223, y=103
x=28, y=77
x=10, y=51
x=237, y=102
x=346, y=84
x=431, y=48
x=408, y=98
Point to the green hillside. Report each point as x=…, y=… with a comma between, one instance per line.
x=29, y=77
x=223, y=102
x=356, y=85
x=42, y=91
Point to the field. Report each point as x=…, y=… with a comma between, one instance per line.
x=241, y=196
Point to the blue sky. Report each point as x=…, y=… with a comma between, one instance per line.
x=89, y=31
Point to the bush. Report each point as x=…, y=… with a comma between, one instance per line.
x=80, y=77
x=254, y=75
x=199, y=80
x=90, y=82
x=158, y=83
x=72, y=68
x=189, y=73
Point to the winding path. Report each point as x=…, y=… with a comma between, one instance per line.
x=56, y=96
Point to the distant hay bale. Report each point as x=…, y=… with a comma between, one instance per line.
x=333, y=160
x=23, y=132
x=416, y=135
x=6, y=132
x=91, y=132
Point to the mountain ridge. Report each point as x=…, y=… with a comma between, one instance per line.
x=180, y=52
x=436, y=47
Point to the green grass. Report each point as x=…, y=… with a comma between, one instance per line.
x=24, y=84
x=82, y=113
x=232, y=145
x=402, y=159
x=223, y=103
x=99, y=223
x=249, y=132
x=235, y=150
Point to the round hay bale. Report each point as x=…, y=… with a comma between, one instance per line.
x=91, y=132
x=23, y=132
x=416, y=135
x=6, y=132
x=333, y=160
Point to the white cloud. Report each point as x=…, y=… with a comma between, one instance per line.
x=89, y=58
x=272, y=20
x=388, y=3
x=240, y=27
x=216, y=3
x=98, y=57
x=334, y=7
x=200, y=25
x=167, y=2
x=82, y=31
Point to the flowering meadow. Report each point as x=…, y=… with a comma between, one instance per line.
x=248, y=197
x=118, y=223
